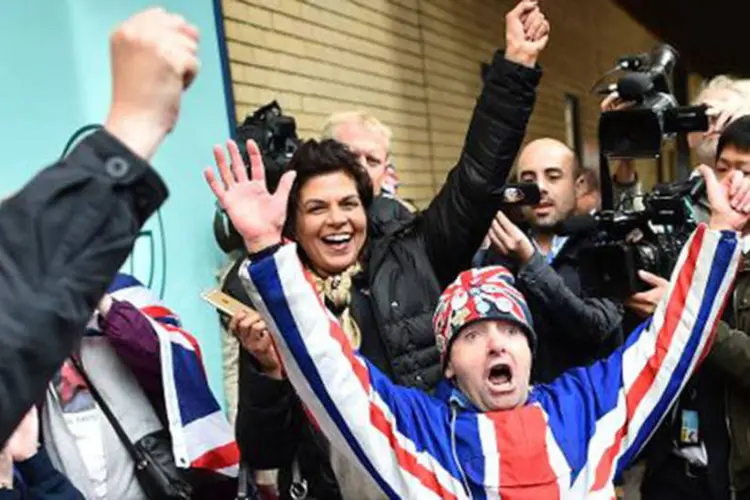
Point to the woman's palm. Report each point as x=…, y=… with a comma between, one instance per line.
x=256, y=214
x=253, y=210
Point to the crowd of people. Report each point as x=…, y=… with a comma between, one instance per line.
x=383, y=351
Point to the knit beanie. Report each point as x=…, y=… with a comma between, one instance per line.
x=480, y=294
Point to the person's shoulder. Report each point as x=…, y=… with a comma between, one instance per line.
x=387, y=214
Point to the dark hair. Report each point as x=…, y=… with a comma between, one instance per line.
x=736, y=134
x=313, y=159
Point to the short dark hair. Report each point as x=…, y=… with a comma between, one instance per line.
x=314, y=158
x=736, y=134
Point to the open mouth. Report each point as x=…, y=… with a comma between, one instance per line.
x=501, y=375
x=337, y=241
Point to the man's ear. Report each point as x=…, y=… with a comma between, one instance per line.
x=580, y=186
x=449, y=373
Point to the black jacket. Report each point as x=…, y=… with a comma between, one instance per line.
x=62, y=239
x=573, y=329
x=409, y=260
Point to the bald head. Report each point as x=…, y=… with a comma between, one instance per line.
x=547, y=150
x=552, y=165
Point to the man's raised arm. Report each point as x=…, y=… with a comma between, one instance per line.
x=67, y=232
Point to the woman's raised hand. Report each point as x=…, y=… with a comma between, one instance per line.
x=257, y=215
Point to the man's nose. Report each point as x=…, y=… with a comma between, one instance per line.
x=496, y=343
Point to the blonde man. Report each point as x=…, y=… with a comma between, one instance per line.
x=370, y=140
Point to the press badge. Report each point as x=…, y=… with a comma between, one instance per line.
x=689, y=430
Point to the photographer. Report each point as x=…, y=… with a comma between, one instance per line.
x=703, y=450
x=547, y=265
x=67, y=232
x=727, y=100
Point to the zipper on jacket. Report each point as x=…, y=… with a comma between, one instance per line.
x=454, y=413
x=732, y=491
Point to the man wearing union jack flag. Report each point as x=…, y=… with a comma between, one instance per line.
x=487, y=433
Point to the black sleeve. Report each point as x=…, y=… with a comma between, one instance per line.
x=44, y=482
x=62, y=239
x=270, y=418
x=457, y=220
x=590, y=321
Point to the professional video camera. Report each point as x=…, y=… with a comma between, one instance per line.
x=625, y=242
x=638, y=131
x=276, y=136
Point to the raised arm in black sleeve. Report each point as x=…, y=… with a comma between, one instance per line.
x=457, y=220
x=62, y=239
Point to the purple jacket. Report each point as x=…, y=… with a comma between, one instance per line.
x=135, y=342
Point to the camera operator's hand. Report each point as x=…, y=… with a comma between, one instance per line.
x=257, y=215
x=644, y=303
x=729, y=200
x=625, y=173
x=526, y=33
x=154, y=58
x=253, y=334
x=722, y=113
x=509, y=240
x=613, y=103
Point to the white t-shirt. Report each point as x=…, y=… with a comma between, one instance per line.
x=85, y=427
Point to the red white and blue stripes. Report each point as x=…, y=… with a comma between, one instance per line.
x=201, y=435
x=569, y=441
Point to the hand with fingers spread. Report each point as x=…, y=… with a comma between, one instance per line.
x=729, y=200
x=526, y=33
x=253, y=334
x=509, y=240
x=154, y=59
x=644, y=303
x=257, y=215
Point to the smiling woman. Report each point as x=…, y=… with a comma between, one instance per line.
x=327, y=217
x=327, y=206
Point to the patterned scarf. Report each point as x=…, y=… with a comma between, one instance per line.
x=336, y=292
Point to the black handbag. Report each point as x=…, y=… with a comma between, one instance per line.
x=152, y=455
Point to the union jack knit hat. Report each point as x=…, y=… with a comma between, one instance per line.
x=480, y=294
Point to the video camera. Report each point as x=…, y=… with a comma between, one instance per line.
x=625, y=242
x=276, y=136
x=637, y=132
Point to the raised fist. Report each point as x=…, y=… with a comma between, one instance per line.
x=154, y=58
x=526, y=33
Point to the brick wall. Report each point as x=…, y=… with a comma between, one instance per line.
x=416, y=65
